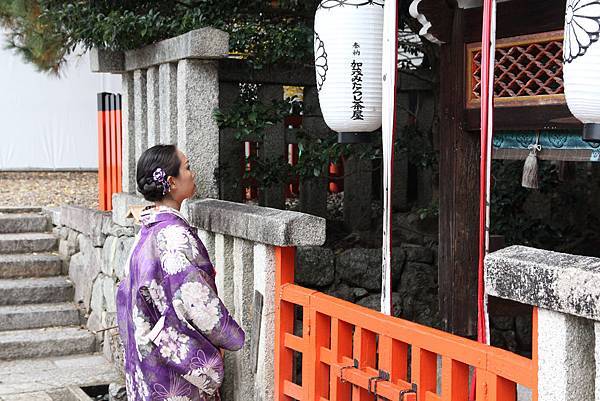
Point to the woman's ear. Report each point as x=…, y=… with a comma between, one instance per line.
x=171, y=182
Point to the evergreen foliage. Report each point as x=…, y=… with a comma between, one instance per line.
x=44, y=32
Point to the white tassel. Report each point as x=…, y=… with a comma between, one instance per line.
x=530, y=170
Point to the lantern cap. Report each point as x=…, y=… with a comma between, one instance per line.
x=591, y=132
x=355, y=137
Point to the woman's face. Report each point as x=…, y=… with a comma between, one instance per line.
x=183, y=186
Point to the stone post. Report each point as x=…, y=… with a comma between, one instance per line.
x=128, y=140
x=358, y=191
x=197, y=130
x=400, y=177
x=153, y=108
x=272, y=148
x=167, y=84
x=565, y=289
x=264, y=283
x=425, y=116
x=313, y=191
x=140, y=105
x=566, y=361
x=231, y=151
x=208, y=239
x=243, y=296
x=225, y=271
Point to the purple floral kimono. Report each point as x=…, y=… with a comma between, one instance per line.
x=170, y=318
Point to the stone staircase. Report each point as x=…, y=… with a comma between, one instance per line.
x=38, y=318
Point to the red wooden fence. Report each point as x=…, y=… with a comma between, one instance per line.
x=353, y=353
x=109, y=148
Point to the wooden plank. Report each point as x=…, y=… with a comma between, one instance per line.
x=423, y=371
x=459, y=194
x=524, y=118
x=455, y=380
x=284, y=321
x=365, y=353
x=393, y=358
x=318, y=372
x=341, y=346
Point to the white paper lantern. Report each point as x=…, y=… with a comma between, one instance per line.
x=348, y=54
x=581, y=53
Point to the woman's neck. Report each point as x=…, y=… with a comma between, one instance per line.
x=173, y=204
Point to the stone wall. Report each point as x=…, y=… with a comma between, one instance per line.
x=355, y=276
x=94, y=250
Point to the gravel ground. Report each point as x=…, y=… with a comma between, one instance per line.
x=49, y=189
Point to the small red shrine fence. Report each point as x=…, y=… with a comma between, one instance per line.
x=349, y=352
x=109, y=148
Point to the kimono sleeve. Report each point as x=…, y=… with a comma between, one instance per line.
x=192, y=289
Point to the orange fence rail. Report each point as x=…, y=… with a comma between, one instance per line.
x=349, y=352
x=109, y=148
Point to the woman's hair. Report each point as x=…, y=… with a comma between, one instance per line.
x=159, y=156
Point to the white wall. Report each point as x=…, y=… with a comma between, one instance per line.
x=49, y=122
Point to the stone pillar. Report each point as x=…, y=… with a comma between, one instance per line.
x=153, y=110
x=225, y=286
x=167, y=84
x=566, y=360
x=231, y=151
x=264, y=283
x=425, y=116
x=313, y=195
x=357, y=191
x=129, y=161
x=272, y=148
x=400, y=175
x=243, y=296
x=197, y=130
x=597, y=358
x=140, y=112
x=224, y=269
x=208, y=240
x=313, y=191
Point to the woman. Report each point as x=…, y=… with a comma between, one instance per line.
x=170, y=318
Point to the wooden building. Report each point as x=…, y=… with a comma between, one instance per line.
x=529, y=101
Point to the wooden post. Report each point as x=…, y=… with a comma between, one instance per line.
x=459, y=195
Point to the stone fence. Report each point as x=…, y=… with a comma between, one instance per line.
x=566, y=290
x=241, y=242
x=172, y=88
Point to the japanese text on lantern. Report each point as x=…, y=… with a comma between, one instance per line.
x=357, y=78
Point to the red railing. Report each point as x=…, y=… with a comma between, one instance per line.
x=109, y=148
x=353, y=353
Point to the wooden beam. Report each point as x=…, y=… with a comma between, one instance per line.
x=459, y=193
x=525, y=118
x=520, y=17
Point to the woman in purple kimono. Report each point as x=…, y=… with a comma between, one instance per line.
x=170, y=318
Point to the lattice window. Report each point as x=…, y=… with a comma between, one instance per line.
x=528, y=71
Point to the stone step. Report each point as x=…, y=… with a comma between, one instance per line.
x=41, y=343
x=54, y=373
x=34, y=316
x=29, y=265
x=38, y=290
x=19, y=209
x=23, y=223
x=28, y=242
